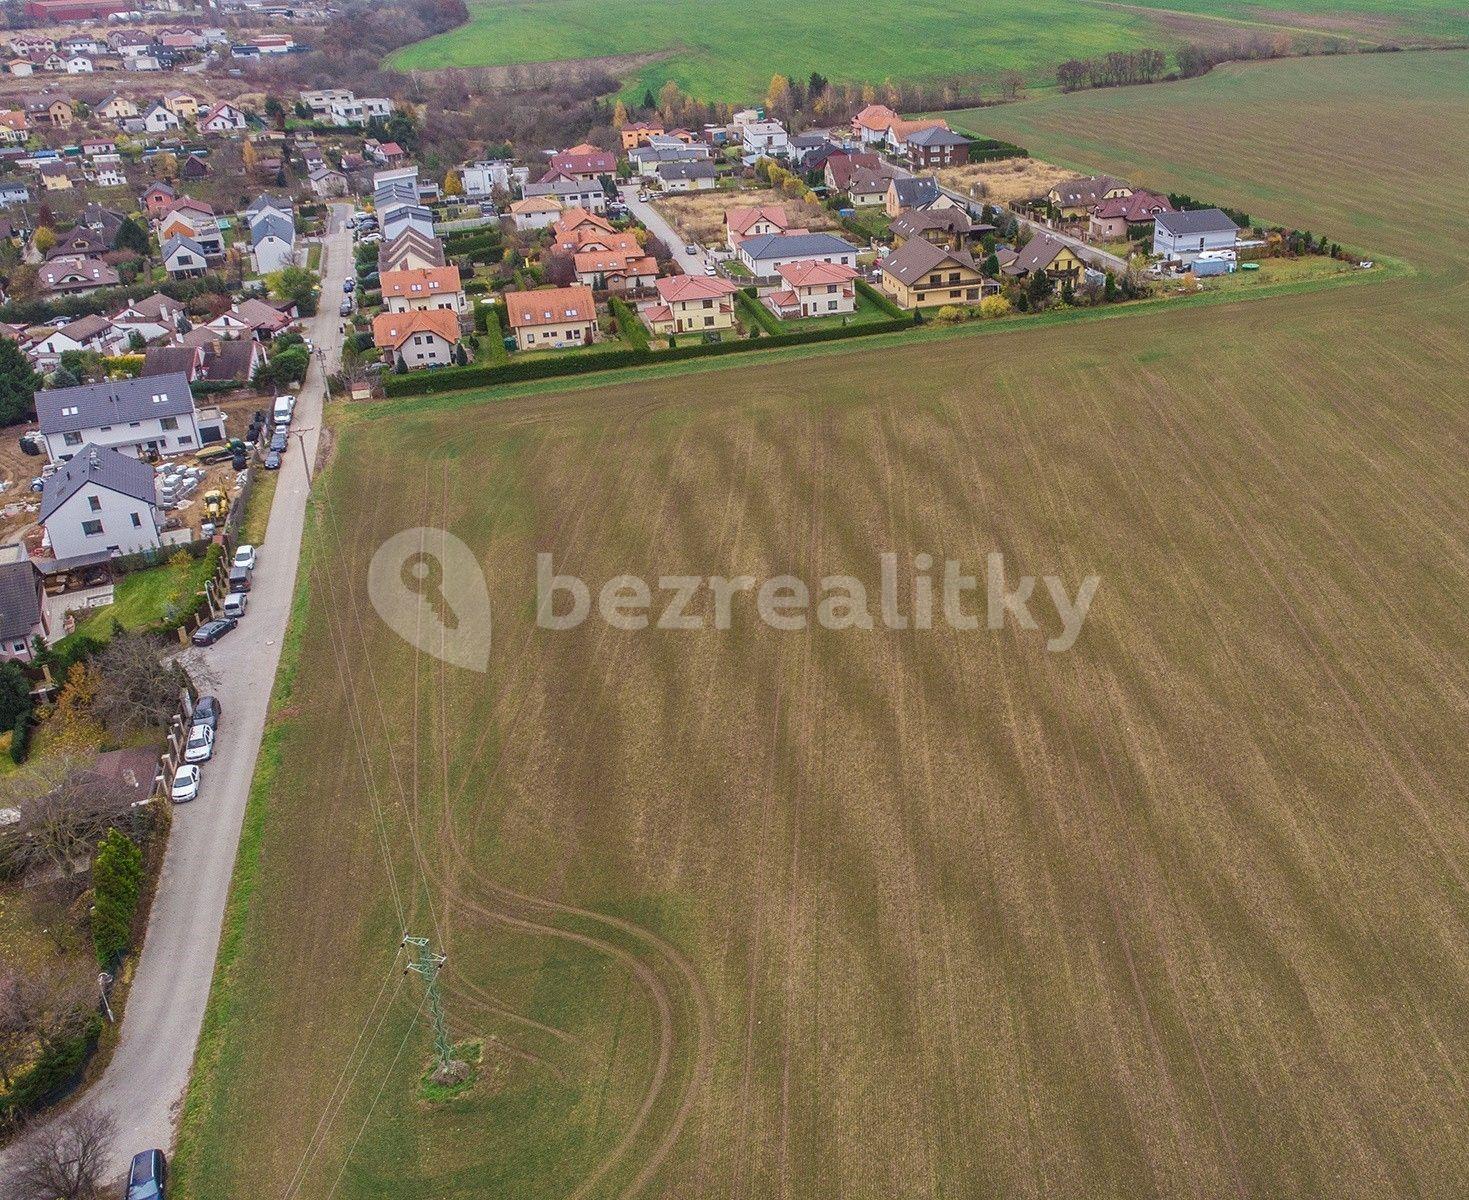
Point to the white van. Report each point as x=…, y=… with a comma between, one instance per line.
x=284, y=407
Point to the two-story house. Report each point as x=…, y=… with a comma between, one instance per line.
x=421, y=338
x=100, y=500
x=919, y=274
x=422, y=288
x=135, y=416
x=547, y=318
x=691, y=304
x=763, y=255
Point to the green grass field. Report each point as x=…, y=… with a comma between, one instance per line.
x=761, y=914
x=142, y=598
x=728, y=50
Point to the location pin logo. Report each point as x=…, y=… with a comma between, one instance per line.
x=428, y=588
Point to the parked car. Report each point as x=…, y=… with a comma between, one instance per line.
x=273, y=461
x=643, y=196
x=185, y=787
x=244, y=557
x=211, y=631
x=278, y=440
x=239, y=579
x=348, y=284
x=206, y=712
x=200, y=746
x=235, y=604
x=148, y=1175
x=344, y=309
x=691, y=249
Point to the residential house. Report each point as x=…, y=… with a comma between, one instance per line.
x=74, y=276
x=691, y=304
x=576, y=225
x=81, y=241
x=272, y=241
x=136, y=416
x=839, y=168
x=1183, y=236
x=50, y=108
x=619, y=268
x=158, y=198
x=934, y=146
x=870, y=126
x=193, y=168
x=686, y=176
x=900, y=130
x=1077, y=197
x=157, y=316
x=910, y=191
x=100, y=500
x=764, y=255
x=637, y=133
x=951, y=227
x=570, y=193
x=13, y=193
x=421, y=338
x=183, y=257
x=21, y=68
x=919, y=274
x=813, y=289
x=22, y=604
x=538, y=212
x=764, y=139
x=646, y=159
x=406, y=217
x=55, y=177
x=79, y=64
x=96, y=147
x=551, y=317
x=158, y=119
x=867, y=187
x=1046, y=252
x=109, y=175
x=327, y=182
x=409, y=249
x=744, y=221
x=257, y=318
x=224, y=117
x=583, y=162
x=482, y=179
x=1111, y=219
x=91, y=332
x=116, y=107
x=15, y=127
x=422, y=287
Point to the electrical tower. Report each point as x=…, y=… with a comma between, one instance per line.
x=427, y=964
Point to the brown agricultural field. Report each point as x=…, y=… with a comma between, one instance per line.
x=1177, y=912
x=699, y=216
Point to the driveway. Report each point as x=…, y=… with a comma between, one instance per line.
x=143, y=1086
x=689, y=264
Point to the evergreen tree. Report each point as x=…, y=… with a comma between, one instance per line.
x=18, y=384
x=131, y=236
x=117, y=881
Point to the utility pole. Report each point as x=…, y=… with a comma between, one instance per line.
x=427, y=964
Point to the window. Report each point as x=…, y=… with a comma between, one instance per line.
x=170, y=422
x=91, y=528
x=94, y=503
x=72, y=439
x=137, y=521
x=186, y=440
x=69, y=411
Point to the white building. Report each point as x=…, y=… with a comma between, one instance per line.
x=1183, y=236
x=100, y=500
x=765, y=255
x=480, y=179
x=154, y=414
x=764, y=139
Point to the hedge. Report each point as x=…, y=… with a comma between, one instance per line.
x=475, y=287
x=630, y=326
x=528, y=367
x=885, y=303
x=117, y=884
x=53, y=1073
x=755, y=312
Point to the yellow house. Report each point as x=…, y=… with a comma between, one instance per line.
x=183, y=105
x=1077, y=197
x=919, y=274
x=115, y=108
x=55, y=179
x=1048, y=253
x=692, y=304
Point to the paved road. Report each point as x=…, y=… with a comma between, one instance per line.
x=1098, y=258
x=690, y=264
x=144, y=1083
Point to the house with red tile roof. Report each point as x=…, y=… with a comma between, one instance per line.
x=548, y=318
x=1109, y=218
x=813, y=289
x=422, y=338
x=691, y=304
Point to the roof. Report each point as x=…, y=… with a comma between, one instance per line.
x=1037, y=254
x=936, y=135
x=93, y=270
x=813, y=274
x=156, y=307
x=1196, y=220
x=866, y=180
x=685, y=170
x=169, y=360
x=1140, y=206
x=903, y=131
x=844, y=165
x=179, y=242
x=737, y=220
x=421, y=281
x=20, y=599
x=115, y=402
x=98, y=465
x=271, y=224
x=876, y=117
x=693, y=287
x=1086, y=189
x=615, y=262
x=535, y=204
x=83, y=329
x=916, y=257
x=549, y=306
x=563, y=187
x=260, y=314
x=393, y=329
x=800, y=245
x=915, y=191
x=232, y=358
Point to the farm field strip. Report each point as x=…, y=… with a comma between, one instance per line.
x=1179, y=911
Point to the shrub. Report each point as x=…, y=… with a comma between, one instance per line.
x=629, y=325
x=994, y=306
x=117, y=883
x=885, y=303
x=756, y=314
x=951, y=314
x=20, y=739
x=57, y=1068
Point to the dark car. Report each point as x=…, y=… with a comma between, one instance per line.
x=348, y=284
x=238, y=460
x=239, y=579
x=278, y=441
x=344, y=309
x=148, y=1176
x=211, y=631
x=206, y=712
x=273, y=461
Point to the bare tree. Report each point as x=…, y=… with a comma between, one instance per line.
x=65, y=808
x=136, y=688
x=67, y=1160
x=40, y=1009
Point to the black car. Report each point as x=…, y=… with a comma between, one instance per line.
x=211, y=631
x=147, y=1176
x=239, y=579
x=206, y=712
x=278, y=441
x=348, y=284
x=273, y=461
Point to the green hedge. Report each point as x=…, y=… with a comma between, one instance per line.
x=528, y=367
x=475, y=287
x=53, y=1074
x=885, y=303
x=117, y=884
x=630, y=326
x=756, y=313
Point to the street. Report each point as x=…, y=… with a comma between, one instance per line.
x=143, y=1086
x=689, y=264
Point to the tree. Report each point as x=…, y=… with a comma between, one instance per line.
x=453, y=185
x=117, y=883
x=559, y=268
x=40, y=1009
x=65, y=809
x=648, y=102
x=19, y=383
x=298, y=285
x=1012, y=84
x=67, y=1160
x=135, y=690
x=992, y=266
x=275, y=111
x=45, y=238
x=15, y=694
x=778, y=95
x=132, y=236
x=619, y=115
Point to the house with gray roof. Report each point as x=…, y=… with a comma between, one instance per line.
x=1183, y=236
x=686, y=176
x=911, y=191
x=139, y=417
x=570, y=193
x=100, y=500
x=183, y=257
x=763, y=255
x=272, y=241
x=22, y=610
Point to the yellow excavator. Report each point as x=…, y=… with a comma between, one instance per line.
x=216, y=504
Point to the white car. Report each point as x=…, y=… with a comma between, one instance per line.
x=244, y=557
x=235, y=604
x=200, y=746
x=185, y=784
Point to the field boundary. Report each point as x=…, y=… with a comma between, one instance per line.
x=1387, y=269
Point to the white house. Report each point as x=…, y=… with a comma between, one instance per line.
x=222, y=118
x=272, y=241
x=159, y=119
x=100, y=500
x=480, y=179
x=79, y=64
x=570, y=193
x=686, y=176
x=1183, y=236
x=764, y=255
x=154, y=414
x=184, y=258
x=764, y=139
x=22, y=608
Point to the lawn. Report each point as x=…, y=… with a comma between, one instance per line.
x=927, y=912
x=257, y=506
x=866, y=311
x=723, y=50
x=142, y=598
